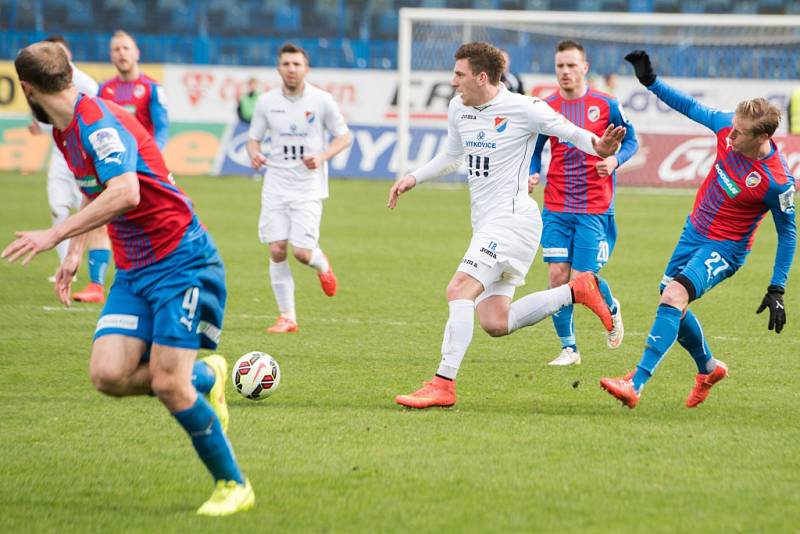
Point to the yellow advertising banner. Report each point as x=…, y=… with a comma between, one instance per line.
x=13, y=101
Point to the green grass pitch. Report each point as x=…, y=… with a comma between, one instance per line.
x=527, y=447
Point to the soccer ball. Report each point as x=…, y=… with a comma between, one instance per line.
x=256, y=375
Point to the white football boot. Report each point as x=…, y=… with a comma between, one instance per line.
x=568, y=356
x=614, y=338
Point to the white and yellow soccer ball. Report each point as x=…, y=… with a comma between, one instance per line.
x=256, y=375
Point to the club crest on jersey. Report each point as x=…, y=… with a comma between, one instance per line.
x=753, y=179
x=138, y=91
x=593, y=113
x=500, y=124
x=481, y=135
x=310, y=117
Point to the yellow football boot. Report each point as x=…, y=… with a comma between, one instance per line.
x=229, y=498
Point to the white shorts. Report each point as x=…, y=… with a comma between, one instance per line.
x=62, y=189
x=501, y=253
x=294, y=220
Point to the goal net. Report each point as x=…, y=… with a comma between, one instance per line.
x=718, y=58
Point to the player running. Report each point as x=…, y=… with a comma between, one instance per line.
x=579, y=229
x=749, y=178
x=63, y=194
x=493, y=131
x=144, y=98
x=297, y=117
x=168, y=296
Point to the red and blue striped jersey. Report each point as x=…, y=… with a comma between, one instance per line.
x=104, y=141
x=573, y=184
x=738, y=191
x=145, y=99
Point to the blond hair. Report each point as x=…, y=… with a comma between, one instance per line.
x=765, y=116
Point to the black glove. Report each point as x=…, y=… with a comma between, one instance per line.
x=777, y=313
x=641, y=64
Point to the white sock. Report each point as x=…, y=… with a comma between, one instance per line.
x=283, y=287
x=318, y=261
x=532, y=308
x=59, y=215
x=457, y=337
x=61, y=250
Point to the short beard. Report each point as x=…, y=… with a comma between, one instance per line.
x=38, y=111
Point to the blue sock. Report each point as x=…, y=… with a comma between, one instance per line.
x=607, y=296
x=691, y=338
x=202, y=425
x=98, y=265
x=565, y=327
x=662, y=336
x=203, y=377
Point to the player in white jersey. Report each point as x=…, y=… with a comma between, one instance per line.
x=298, y=118
x=63, y=194
x=493, y=131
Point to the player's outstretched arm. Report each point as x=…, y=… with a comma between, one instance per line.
x=711, y=118
x=121, y=194
x=406, y=183
x=781, y=203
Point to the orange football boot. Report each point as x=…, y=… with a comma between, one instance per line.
x=436, y=392
x=92, y=293
x=622, y=389
x=585, y=291
x=703, y=384
x=328, y=280
x=283, y=326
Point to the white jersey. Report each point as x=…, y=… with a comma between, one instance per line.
x=496, y=141
x=86, y=85
x=297, y=127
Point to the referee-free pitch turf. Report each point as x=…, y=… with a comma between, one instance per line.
x=527, y=448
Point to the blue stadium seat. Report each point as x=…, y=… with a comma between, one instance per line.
x=771, y=7
x=80, y=17
x=666, y=6
x=745, y=7
x=719, y=6
x=485, y=4
x=793, y=7
x=590, y=5
x=536, y=5
x=693, y=6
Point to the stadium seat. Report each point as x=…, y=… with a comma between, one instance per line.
x=719, y=6
x=485, y=4
x=80, y=17
x=536, y=5
x=745, y=7
x=771, y=7
x=666, y=6
x=590, y=5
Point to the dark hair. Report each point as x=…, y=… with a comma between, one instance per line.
x=57, y=38
x=291, y=48
x=483, y=57
x=45, y=66
x=569, y=44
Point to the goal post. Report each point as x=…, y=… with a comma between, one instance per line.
x=683, y=45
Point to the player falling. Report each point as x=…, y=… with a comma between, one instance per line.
x=579, y=229
x=493, y=130
x=169, y=294
x=297, y=116
x=749, y=178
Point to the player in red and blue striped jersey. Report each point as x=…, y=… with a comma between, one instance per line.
x=144, y=99
x=138, y=93
x=748, y=179
x=169, y=294
x=579, y=231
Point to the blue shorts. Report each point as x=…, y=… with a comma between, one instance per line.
x=703, y=261
x=177, y=302
x=585, y=240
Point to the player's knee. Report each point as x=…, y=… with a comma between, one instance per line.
x=558, y=274
x=166, y=386
x=675, y=295
x=495, y=327
x=107, y=380
x=277, y=252
x=302, y=255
